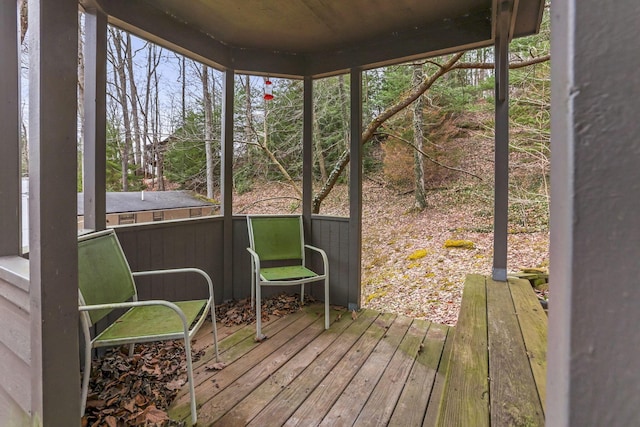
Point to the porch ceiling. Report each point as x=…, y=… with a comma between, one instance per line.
x=316, y=37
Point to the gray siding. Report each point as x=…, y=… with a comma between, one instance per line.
x=189, y=243
x=15, y=345
x=198, y=243
x=332, y=235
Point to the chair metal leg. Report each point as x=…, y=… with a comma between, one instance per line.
x=192, y=388
x=302, y=294
x=326, y=303
x=87, y=365
x=253, y=283
x=215, y=329
x=85, y=378
x=259, y=336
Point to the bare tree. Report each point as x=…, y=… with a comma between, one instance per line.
x=149, y=144
x=208, y=129
x=137, y=140
x=115, y=54
x=418, y=138
x=158, y=144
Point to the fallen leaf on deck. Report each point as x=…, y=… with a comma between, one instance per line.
x=354, y=315
x=218, y=366
x=175, y=384
x=155, y=415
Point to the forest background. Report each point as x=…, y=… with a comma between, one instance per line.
x=428, y=155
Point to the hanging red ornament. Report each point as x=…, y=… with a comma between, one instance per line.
x=268, y=90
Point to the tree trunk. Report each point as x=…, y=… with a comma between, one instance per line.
x=318, y=153
x=248, y=111
x=183, y=76
x=80, y=102
x=208, y=129
x=121, y=86
x=344, y=101
x=418, y=140
x=157, y=134
x=137, y=149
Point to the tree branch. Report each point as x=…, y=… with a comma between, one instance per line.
x=490, y=66
x=266, y=200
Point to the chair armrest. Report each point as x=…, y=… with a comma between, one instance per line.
x=255, y=257
x=178, y=270
x=325, y=260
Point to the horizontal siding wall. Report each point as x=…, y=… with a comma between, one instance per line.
x=198, y=243
x=15, y=344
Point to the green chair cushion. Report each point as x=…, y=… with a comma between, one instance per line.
x=286, y=273
x=150, y=321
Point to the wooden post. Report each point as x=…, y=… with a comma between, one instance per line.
x=501, y=171
x=95, y=120
x=355, y=192
x=593, y=368
x=307, y=156
x=53, y=259
x=226, y=187
x=10, y=182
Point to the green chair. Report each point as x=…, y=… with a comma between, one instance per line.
x=280, y=240
x=107, y=283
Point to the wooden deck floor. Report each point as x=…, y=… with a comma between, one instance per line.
x=377, y=369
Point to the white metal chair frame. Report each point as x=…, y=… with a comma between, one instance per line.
x=258, y=280
x=187, y=333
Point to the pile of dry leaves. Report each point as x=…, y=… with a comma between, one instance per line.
x=241, y=313
x=136, y=390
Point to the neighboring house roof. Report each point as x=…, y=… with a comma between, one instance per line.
x=136, y=201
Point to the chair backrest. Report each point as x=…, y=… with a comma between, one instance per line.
x=104, y=276
x=276, y=238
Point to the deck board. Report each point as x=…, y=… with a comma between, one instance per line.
x=382, y=402
x=530, y=313
x=364, y=371
x=437, y=392
x=513, y=402
x=414, y=399
x=468, y=405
